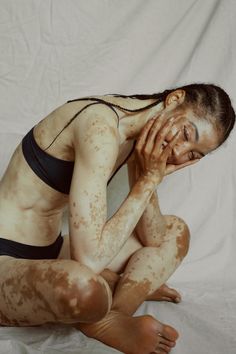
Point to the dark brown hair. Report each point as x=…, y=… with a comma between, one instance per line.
x=207, y=100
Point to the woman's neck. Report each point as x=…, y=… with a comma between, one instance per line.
x=132, y=124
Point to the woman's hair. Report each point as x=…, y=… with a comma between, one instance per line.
x=206, y=100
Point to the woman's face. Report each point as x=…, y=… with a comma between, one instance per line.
x=197, y=138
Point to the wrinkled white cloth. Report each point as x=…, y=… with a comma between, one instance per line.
x=52, y=51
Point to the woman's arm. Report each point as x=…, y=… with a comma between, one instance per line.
x=151, y=227
x=94, y=241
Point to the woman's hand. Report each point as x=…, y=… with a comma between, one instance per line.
x=150, y=149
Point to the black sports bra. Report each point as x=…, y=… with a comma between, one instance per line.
x=54, y=172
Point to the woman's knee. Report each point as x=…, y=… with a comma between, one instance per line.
x=178, y=228
x=79, y=294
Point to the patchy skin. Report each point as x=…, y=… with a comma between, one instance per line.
x=170, y=226
x=183, y=242
x=137, y=335
x=138, y=189
x=152, y=266
x=181, y=230
x=111, y=278
x=134, y=291
x=164, y=293
x=37, y=292
x=42, y=292
x=76, y=225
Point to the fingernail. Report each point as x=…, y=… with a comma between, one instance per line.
x=172, y=119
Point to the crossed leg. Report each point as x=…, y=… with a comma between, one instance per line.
x=146, y=271
x=35, y=292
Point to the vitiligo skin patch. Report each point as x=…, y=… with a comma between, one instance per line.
x=114, y=264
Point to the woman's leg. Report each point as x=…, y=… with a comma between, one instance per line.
x=150, y=267
x=119, y=263
x=146, y=271
x=112, y=274
x=34, y=292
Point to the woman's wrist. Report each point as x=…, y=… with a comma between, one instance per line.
x=151, y=178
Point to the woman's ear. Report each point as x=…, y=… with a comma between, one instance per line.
x=174, y=99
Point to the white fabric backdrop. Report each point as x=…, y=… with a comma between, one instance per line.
x=54, y=50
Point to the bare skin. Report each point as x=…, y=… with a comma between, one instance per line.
x=64, y=290
x=164, y=293
x=132, y=290
x=112, y=277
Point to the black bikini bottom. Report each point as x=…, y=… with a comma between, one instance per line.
x=21, y=250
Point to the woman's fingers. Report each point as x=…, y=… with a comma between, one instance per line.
x=155, y=128
x=161, y=135
x=145, y=142
x=149, y=147
x=167, y=150
x=143, y=135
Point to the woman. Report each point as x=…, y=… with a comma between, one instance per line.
x=68, y=158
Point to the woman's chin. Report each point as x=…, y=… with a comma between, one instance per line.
x=170, y=161
x=173, y=162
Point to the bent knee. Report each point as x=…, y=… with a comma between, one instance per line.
x=81, y=295
x=89, y=304
x=181, y=232
x=183, y=239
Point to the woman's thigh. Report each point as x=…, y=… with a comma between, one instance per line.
x=175, y=227
x=34, y=292
x=119, y=261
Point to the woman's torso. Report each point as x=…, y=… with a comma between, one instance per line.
x=30, y=210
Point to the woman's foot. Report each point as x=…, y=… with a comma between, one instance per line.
x=164, y=293
x=132, y=335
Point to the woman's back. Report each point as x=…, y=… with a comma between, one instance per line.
x=25, y=199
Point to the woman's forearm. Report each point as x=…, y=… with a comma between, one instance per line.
x=106, y=238
x=119, y=227
x=152, y=224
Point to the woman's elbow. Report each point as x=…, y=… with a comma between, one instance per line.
x=87, y=260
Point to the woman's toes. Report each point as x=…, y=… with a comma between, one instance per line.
x=173, y=294
x=169, y=333
x=164, y=347
x=178, y=299
x=160, y=351
x=167, y=342
x=164, y=293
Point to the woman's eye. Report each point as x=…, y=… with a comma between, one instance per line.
x=186, y=133
x=191, y=155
